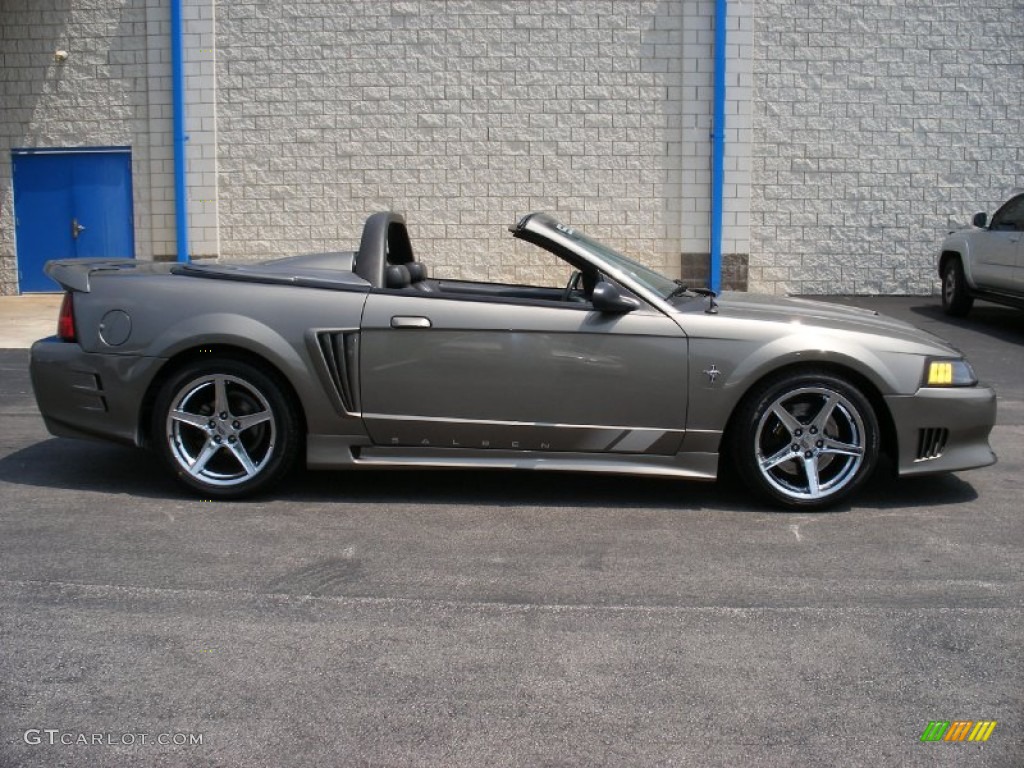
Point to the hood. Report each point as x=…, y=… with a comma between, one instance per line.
x=823, y=315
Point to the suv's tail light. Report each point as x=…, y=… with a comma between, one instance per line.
x=66, y=320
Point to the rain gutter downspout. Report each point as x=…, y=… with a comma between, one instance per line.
x=178, y=112
x=718, y=146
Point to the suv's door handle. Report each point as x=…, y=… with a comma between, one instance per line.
x=402, y=321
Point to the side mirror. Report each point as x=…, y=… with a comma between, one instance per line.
x=980, y=220
x=610, y=298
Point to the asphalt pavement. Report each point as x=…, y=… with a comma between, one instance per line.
x=470, y=619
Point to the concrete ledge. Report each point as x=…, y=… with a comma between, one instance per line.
x=23, y=319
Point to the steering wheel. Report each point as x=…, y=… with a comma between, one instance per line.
x=575, y=279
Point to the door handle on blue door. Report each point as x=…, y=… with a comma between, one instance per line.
x=402, y=321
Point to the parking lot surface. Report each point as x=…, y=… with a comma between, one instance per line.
x=469, y=619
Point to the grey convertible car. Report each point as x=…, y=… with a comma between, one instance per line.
x=352, y=360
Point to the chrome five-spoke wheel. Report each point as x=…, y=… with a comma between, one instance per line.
x=221, y=430
x=226, y=428
x=812, y=439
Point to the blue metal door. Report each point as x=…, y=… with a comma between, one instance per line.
x=74, y=203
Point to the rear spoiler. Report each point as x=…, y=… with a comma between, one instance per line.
x=73, y=274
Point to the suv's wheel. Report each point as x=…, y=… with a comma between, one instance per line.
x=806, y=440
x=955, y=299
x=225, y=428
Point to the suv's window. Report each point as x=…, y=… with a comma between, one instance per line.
x=1010, y=217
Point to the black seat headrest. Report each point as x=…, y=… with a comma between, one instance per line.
x=417, y=271
x=397, y=276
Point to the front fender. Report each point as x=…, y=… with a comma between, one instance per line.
x=804, y=349
x=959, y=243
x=722, y=372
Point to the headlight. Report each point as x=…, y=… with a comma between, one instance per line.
x=948, y=372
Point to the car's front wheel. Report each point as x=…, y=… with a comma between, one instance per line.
x=956, y=301
x=225, y=428
x=806, y=440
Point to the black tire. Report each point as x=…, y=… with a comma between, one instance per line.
x=956, y=301
x=225, y=428
x=805, y=440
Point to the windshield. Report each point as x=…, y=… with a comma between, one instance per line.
x=646, y=276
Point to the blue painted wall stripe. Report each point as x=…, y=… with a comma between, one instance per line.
x=180, y=139
x=718, y=145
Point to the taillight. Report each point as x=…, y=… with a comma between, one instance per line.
x=66, y=320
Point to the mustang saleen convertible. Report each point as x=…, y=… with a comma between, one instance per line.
x=361, y=360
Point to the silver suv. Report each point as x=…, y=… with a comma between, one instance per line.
x=985, y=261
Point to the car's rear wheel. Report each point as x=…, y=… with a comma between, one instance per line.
x=956, y=301
x=806, y=440
x=225, y=428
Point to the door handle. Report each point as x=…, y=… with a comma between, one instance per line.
x=76, y=229
x=403, y=321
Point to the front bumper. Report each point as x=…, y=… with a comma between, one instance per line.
x=943, y=430
x=87, y=395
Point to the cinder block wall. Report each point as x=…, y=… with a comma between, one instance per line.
x=93, y=98
x=462, y=115
x=698, y=52
x=878, y=126
x=857, y=133
x=113, y=89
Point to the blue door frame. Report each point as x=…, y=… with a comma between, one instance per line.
x=70, y=203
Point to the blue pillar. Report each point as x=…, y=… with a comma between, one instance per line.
x=718, y=145
x=180, y=139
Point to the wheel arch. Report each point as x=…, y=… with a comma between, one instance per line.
x=886, y=425
x=957, y=247
x=946, y=256
x=198, y=352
